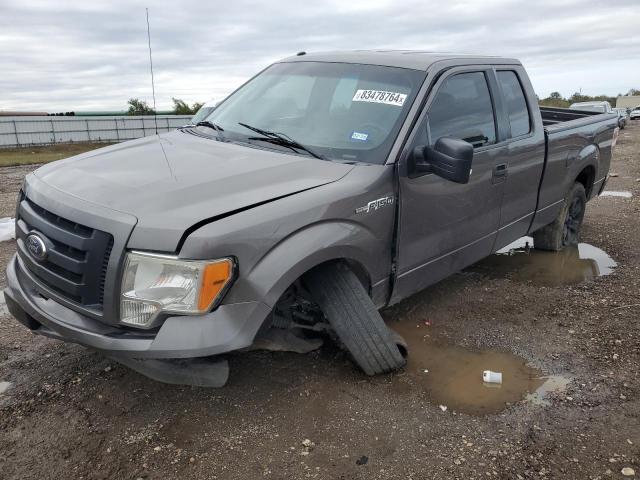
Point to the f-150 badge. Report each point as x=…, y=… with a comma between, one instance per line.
x=374, y=205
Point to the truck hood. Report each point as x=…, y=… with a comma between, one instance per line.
x=173, y=181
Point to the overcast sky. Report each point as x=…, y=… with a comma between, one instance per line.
x=92, y=55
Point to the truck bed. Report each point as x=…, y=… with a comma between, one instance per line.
x=573, y=138
x=557, y=119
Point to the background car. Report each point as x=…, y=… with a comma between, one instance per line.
x=622, y=117
x=635, y=113
x=602, y=107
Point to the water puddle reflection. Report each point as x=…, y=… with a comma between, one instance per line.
x=551, y=384
x=520, y=262
x=452, y=375
x=611, y=193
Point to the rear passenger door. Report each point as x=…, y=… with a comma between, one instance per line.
x=445, y=226
x=525, y=150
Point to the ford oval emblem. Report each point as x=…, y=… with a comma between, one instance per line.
x=36, y=246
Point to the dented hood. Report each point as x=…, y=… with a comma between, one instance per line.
x=176, y=180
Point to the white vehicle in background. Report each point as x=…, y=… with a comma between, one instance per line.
x=601, y=107
x=204, y=112
x=635, y=113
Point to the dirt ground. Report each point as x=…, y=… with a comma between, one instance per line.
x=72, y=413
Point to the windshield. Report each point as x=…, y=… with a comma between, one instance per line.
x=346, y=112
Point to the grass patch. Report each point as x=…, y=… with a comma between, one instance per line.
x=44, y=154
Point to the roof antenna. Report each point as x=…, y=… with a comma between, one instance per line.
x=153, y=88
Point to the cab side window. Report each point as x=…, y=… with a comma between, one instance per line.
x=462, y=108
x=515, y=103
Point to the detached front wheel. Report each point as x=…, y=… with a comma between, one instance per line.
x=355, y=319
x=565, y=229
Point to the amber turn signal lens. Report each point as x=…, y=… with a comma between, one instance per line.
x=215, y=278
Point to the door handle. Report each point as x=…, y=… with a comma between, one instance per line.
x=500, y=170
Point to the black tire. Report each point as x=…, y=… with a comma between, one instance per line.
x=355, y=319
x=565, y=229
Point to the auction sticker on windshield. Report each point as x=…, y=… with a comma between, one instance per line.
x=380, y=96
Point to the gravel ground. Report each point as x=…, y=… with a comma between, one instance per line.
x=71, y=413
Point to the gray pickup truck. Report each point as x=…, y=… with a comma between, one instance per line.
x=328, y=186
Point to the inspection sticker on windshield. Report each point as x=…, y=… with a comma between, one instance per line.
x=380, y=96
x=359, y=136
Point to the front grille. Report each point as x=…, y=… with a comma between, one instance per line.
x=103, y=269
x=76, y=263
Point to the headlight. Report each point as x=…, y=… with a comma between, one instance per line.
x=161, y=283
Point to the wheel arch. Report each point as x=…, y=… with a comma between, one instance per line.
x=315, y=245
x=588, y=161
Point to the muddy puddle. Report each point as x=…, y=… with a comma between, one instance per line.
x=551, y=384
x=451, y=376
x=519, y=261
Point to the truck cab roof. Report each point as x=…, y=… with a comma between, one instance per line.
x=412, y=59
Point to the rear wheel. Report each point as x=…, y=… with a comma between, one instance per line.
x=565, y=229
x=355, y=319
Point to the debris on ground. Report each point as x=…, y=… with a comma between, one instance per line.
x=491, y=377
x=307, y=446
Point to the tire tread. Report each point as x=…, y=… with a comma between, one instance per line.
x=354, y=317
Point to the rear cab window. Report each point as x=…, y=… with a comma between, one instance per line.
x=515, y=103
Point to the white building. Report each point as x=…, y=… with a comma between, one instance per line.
x=628, y=101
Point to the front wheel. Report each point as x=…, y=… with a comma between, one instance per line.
x=565, y=229
x=355, y=319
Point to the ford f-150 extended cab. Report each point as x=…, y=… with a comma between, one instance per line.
x=326, y=187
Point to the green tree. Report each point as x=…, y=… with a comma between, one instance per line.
x=139, y=107
x=633, y=91
x=579, y=97
x=554, y=99
x=180, y=107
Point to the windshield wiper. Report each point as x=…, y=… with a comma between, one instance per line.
x=214, y=126
x=281, y=139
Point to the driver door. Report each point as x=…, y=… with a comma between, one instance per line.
x=446, y=226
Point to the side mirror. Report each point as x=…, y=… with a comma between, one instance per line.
x=450, y=158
